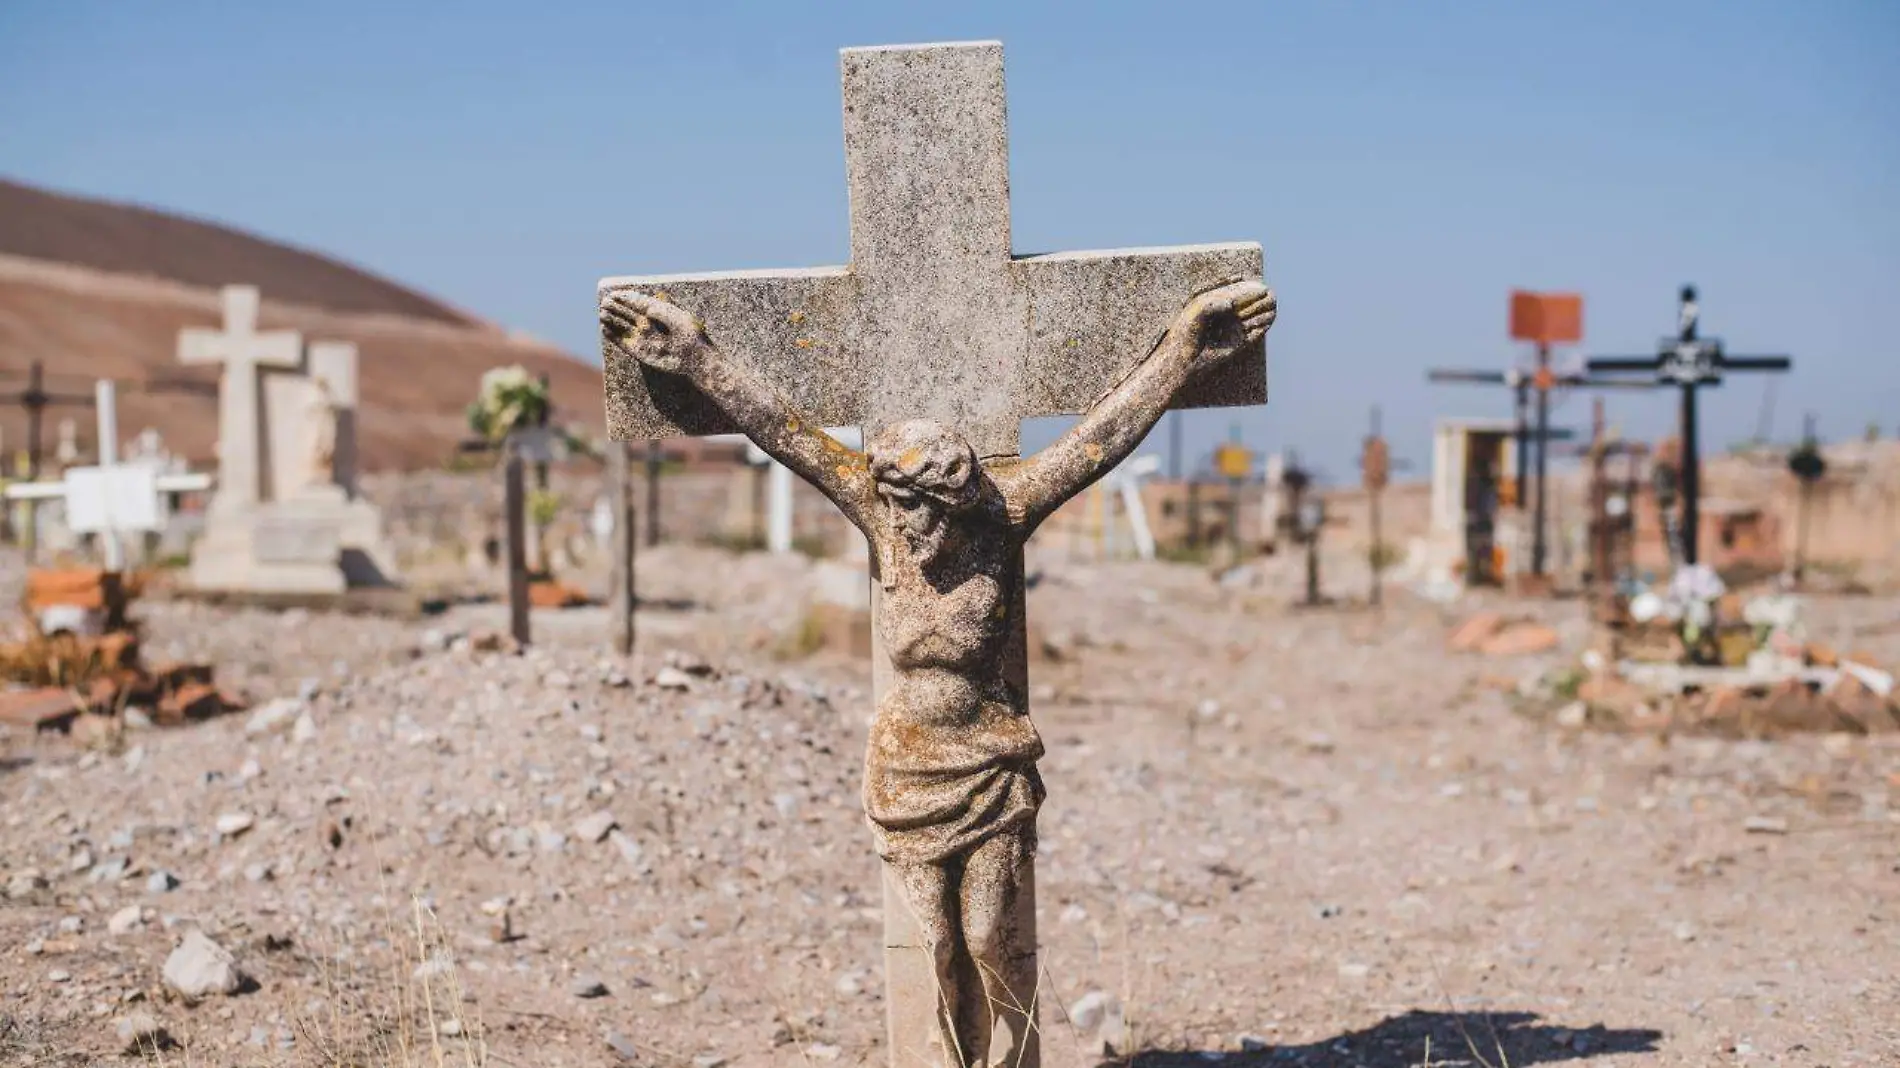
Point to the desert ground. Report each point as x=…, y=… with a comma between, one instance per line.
x=1273, y=836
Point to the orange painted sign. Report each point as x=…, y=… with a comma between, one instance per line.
x=1546, y=318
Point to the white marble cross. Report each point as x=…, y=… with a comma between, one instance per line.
x=937, y=318
x=242, y=350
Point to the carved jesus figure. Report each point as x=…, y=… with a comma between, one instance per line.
x=950, y=781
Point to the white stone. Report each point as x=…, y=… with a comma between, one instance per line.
x=126, y=920
x=199, y=968
x=273, y=716
x=232, y=824
x=595, y=827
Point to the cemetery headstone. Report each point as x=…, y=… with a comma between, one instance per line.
x=286, y=517
x=939, y=342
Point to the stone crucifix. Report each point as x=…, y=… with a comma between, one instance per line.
x=939, y=342
x=242, y=350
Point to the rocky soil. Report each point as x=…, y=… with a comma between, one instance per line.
x=1274, y=836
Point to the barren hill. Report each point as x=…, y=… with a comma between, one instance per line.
x=127, y=239
x=96, y=290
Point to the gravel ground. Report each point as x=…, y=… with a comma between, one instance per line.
x=1274, y=836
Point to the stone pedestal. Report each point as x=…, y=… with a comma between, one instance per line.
x=318, y=543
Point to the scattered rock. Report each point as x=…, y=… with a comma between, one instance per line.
x=24, y=882
x=126, y=920
x=622, y=1045
x=273, y=717
x=1098, y=1016
x=161, y=882
x=199, y=968
x=595, y=827
x=1765, y=825
x=232, y=824
x=140, y=1034
x=587, y=986
x=672, y=678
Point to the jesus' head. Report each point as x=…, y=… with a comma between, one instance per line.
x=925, y=472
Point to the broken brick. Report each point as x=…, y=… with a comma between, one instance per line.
x=1521, y=639
x=1473, y=632
x=37, y=708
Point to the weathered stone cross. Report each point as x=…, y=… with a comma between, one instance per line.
x=935, y=318
x=242, y=350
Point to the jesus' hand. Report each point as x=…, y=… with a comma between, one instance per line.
x=650, y=330
x=1218, y=323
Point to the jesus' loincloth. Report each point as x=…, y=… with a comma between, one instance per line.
x=935, y=791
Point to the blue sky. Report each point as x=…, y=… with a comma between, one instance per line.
x=1404, y=164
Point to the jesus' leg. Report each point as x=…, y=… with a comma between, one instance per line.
x=1001, y=943
x=930, y=893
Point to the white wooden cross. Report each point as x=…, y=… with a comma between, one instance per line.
x=936, y=317
x=111, y=499
x=1125, y=482
x=779, y=500
x=242, y=350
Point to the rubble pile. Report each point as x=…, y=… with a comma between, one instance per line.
x=76, y=667
x=1699, y=658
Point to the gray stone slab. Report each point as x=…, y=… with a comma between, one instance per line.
x=295, y=540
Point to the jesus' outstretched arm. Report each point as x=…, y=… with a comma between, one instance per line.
x=671, y=340
x=1211, y=328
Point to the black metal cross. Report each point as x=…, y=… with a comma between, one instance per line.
x=1689, y=362
x=35, y=399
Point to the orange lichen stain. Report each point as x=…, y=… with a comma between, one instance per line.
x=844, y=470
x=832, y=443
x=1002, y=611
x=796, y=317
x=663, y=295
x=803, y=342
x=1092, y=451
x=793, y=426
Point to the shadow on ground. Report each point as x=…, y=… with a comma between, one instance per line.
x=1456, y=1040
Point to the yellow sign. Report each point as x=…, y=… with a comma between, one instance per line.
x=1233, y=460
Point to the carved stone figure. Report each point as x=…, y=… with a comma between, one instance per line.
x=320, y=420
x=950, y=782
